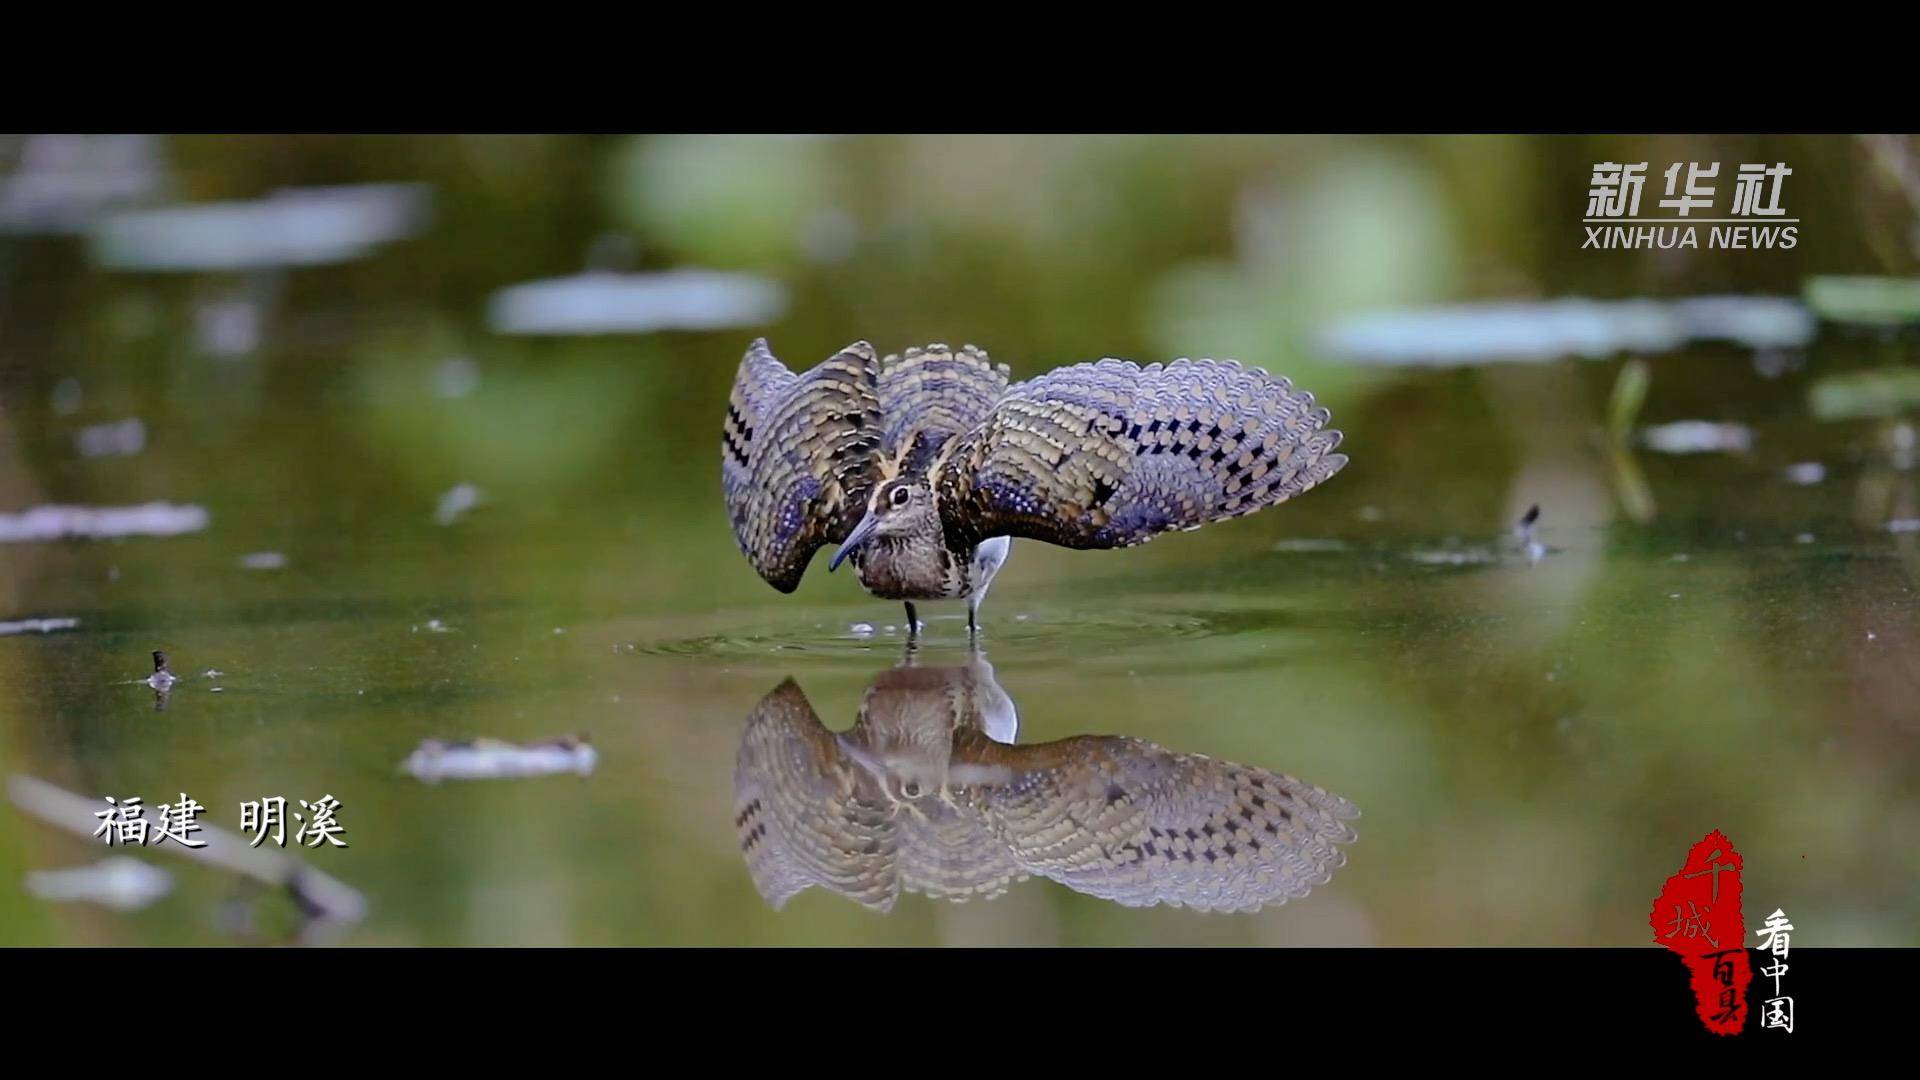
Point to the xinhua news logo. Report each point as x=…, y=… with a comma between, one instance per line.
x=1686, y=217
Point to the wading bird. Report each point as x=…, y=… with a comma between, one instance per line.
x=927, y=793
x=923, y=468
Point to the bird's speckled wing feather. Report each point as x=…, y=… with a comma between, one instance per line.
x=798, y=456
x=805, y=814
x=949, y=854
x=1110, y=454
x=930, y=395
x=1138, y=824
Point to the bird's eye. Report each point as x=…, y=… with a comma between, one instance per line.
x=899, y=496
x=912, y=789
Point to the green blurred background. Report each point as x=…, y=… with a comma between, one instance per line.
x=1710, y=640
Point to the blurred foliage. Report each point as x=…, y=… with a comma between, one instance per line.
x=1628, y=398
x=724, y=200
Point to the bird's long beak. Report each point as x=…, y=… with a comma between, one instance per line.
x=860, y=534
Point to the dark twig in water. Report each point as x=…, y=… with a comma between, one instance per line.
x=1523, y=532
x=161, y=680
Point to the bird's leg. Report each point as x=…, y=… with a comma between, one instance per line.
x=973, y=623
x=913, y=621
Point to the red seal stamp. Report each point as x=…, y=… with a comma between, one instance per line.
x=1698, y=916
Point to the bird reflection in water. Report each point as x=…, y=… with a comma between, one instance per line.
x=928, y=793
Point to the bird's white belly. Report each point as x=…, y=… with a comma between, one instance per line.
x=987, y=560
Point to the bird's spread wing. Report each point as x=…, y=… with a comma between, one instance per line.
x=1138, y=824
x=798, y=456
x=930, y=395
x=1110, y=454
x=805, y=814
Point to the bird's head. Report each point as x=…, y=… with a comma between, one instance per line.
x=898, y=508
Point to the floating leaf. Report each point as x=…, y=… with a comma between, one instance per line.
x=1878, y=301
x=1866, y=394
